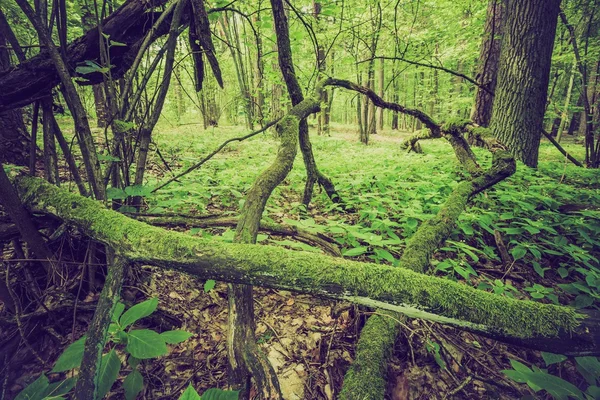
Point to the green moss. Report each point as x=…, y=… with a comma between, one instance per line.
x=306, y=272
x=431, y=234
x=455, y=125
x=376, y=342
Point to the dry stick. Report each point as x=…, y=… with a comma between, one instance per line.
x=18, y=318
x=561, y=149
x=214, y=152
x=325, y=243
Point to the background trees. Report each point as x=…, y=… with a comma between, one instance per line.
x=423, y=63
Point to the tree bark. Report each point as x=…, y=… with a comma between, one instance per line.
x=14, y=140
x=489, y=58
x=34, y=78
x=523, y=75
x=286, y=65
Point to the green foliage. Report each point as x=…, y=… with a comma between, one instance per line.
x=211, y=394
x=539, y=379
x=434, y=349
x=209, y=285
x=138, y=344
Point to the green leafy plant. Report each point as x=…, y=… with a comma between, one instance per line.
x=211, y=394
x=539, y=379
x=434, y=349
x=136, y=344
x=498, y=287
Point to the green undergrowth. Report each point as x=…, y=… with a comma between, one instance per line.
x=548, y=218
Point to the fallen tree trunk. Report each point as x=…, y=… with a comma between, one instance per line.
x=531, y=324
x=129, y=24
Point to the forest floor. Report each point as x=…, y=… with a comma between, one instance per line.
x=310, y=341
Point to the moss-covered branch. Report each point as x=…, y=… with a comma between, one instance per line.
x=397, y=289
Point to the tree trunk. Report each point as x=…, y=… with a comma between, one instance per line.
x=552, y=328
x=488, y=62
x=565, y=113
x=231, y=33
x=381, y=91
x=13, y=134
x=523, y=75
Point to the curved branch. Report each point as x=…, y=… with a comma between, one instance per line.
x=440, y=68
x=379, y=102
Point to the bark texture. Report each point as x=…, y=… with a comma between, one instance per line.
x=488, y=62
x=523, y=76
x=34, y=78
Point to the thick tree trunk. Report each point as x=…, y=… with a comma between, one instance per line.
x=488, y=62
x=523, y=75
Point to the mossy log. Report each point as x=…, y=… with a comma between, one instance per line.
x=375, y=345
x=535, y=325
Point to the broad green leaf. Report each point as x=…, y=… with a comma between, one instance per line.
x=71, y=357
x=593, y=391
x=209, y=285
x=119, y=308
x=551, y=358
x=357, y=251
x=538, y=380
x=138, y=312
x=115, y=193
x=138, y=190
x=589, y=367
x=144, y=343
x=61, y=388
x=412, y=223
x=133, y=384
x=190, y=394
x=384, y=254
x=108, y=373
x=519, y=366
x=174, y=337
x=36, y=390
x=518, y=252
x=219, y=394
x=133, y=362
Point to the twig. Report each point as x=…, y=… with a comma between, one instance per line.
x=459, y=387
x=211, y=155
x=18, y=318
x=561, y=149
